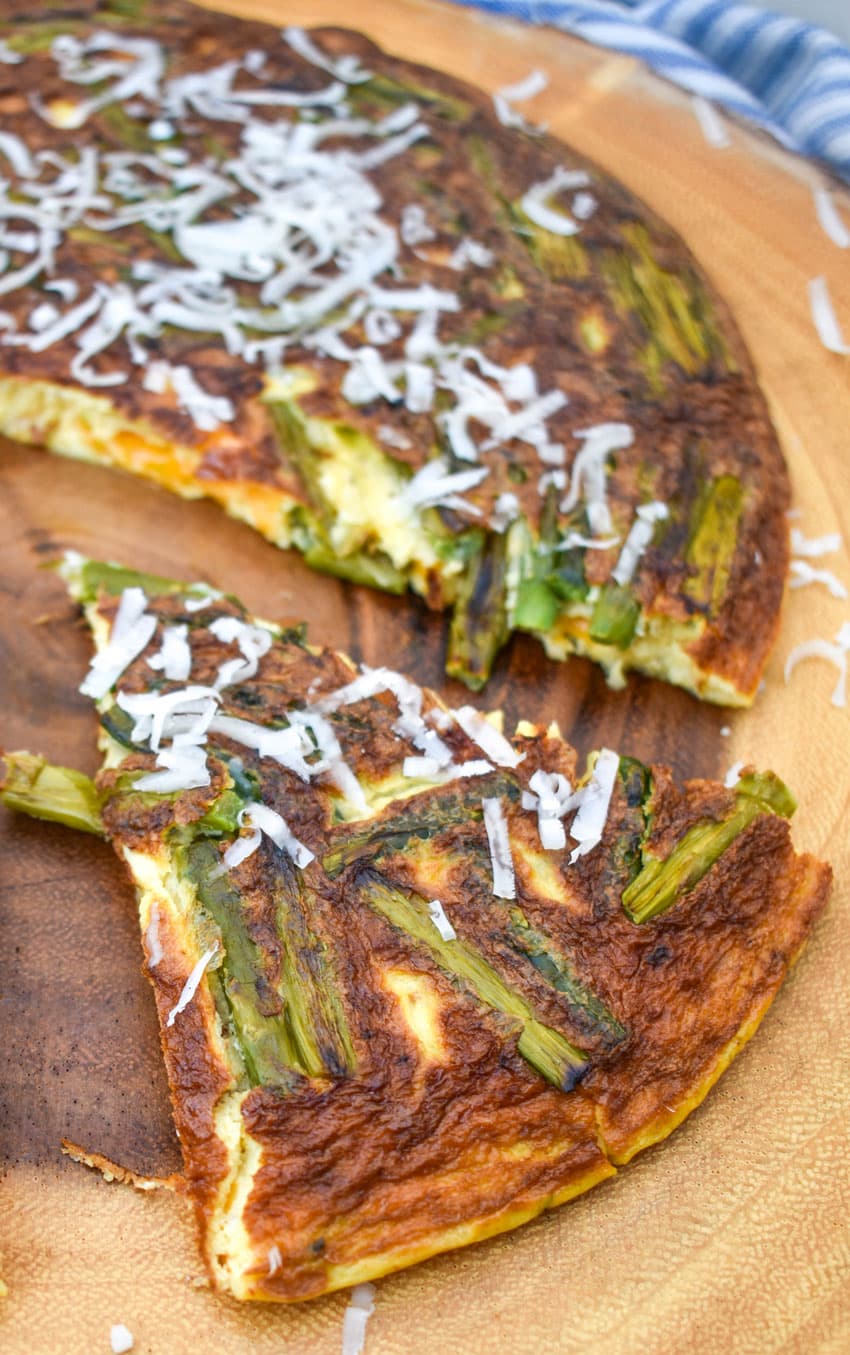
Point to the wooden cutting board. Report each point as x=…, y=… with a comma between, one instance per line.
x=735, y=1235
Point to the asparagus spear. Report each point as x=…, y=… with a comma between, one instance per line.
x=479, y=624
x=659, y=884
x=282, y=1027
x=312, y=1008
x=587, y=1010
x=548, y=1052
x=714, y=534
x=33, y=786
x=615, y=616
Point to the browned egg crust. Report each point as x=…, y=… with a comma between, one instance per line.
x=628, y=325
x=395, y=1157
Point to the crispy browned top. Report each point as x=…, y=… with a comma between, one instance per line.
x=619, y=318
x=406, y=1144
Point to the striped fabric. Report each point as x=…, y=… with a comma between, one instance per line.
x=789, y=77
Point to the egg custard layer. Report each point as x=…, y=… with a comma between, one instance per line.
x=416, y=981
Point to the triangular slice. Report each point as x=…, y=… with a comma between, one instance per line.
x=415, y=981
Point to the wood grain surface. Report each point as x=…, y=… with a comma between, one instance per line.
x=735, y=1235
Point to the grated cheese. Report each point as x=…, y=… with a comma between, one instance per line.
x=825, y=319
x=360, y=1308
x=834, y=653
x=534, y=83
x=588, y=473
x=552, y=797
x=639, y=537
x=535, y=202
x=190, y=987
x=803, y=573
x=828, y=216
x=814, y=545
x=276, y=828
x=132, y=630
x=440, y=921
x=501, y=860
x=711, y=123
x=479, y=729
x=183, y=769
x=594, y=801
x=120, y=1339
x=174, y=657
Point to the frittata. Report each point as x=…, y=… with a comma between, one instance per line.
x=416, y=981
x=390, y=324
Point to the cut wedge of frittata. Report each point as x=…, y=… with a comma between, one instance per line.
x=416, y=981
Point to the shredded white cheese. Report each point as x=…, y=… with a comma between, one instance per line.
x=733, y=775
x=240, y=850
x=276, y=828
x=552, y=797
x=825, y=319
x=206, y=411
x=534, y=83
x=829, y=218
x=254, y=643
x=639, y=537
x=174, y=658
x=120, y=1339
x=434, y=484
x=595, y=799
x=132, y=631
x=182, y=715
x=834, y=652
x=203, y=599
x=414, y=228
x=360, y=1308
x=803, y=573
x=589, y=472
x=275, y=1260
x=346, y=68
x=535, y=202
x=190, y=987
x=438, y=916
x=184, y=768
x=479, y=729
x=505, y=511
x=812, y=546
x=501, y=859
x=711, y=123
x=433, y=769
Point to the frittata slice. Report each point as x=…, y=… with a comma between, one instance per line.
x=416, y=981
x=429, y=348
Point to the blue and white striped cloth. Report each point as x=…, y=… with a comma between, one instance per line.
x=789, y=77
